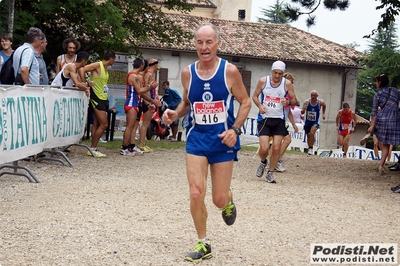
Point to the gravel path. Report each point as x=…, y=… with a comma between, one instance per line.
x=135, y=211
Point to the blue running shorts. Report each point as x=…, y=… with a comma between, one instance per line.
x=215, y=156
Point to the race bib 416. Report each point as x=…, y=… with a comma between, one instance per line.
x=209, y=113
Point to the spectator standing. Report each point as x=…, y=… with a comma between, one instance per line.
x=131, y=107
x=70, y=46
x=142, y=108
x=312, y=109
x=99, y=98
x=173, y=99
x=385, y=117
x=376, y=150
x=210, y=81
x=269, y=97
x=6, y=48
x=345, y=124
x=150, y=102
x=25, y=64
x=44, y=77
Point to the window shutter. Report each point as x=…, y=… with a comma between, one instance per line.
x=163, y=76
x=246, y=77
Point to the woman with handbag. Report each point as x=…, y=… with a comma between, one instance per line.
x=385, y=117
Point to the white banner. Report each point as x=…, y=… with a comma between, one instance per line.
x=33, y=118
x=299, y=142
x=358, y=152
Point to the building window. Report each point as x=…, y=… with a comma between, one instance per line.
x=241, y=14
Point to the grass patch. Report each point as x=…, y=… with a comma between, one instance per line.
x=169, y=145
x=249, y=148
x=154, y=144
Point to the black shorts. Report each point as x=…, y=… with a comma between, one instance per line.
x=97, y=103
x=271, y=127
x=143, y=108
x=101, y=105
x=307, y=129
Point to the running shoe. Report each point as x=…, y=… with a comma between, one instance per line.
x=229, y=213
x=260, y=170
x=396, y=189
x=310, y=152
x=279, y=166
x=270, y=177
x=395, y=167
x=145, y=148
x=139, y=151
x=128, y=152
x=201, y=251
x=92, y=149
x=96, y=153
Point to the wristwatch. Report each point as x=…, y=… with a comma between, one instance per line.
x=237, y=130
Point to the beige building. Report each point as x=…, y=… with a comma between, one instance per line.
x=221, y=9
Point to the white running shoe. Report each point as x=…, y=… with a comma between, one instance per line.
x=139, y=151
x=127, y=152
x=279, y=166
x=260, y=170
x=96, y=153
x=270, y=177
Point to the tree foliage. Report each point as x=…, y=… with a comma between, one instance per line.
x=383, y=58
x=308, y=7
x=275, y=14
x=98, y=24
x=391, y=9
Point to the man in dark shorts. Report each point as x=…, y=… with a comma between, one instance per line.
x=269, y=96
x=99, y=98
x=312, y=109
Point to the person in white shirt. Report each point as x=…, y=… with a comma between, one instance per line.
x=269, y=97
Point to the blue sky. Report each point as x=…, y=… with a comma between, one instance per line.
x=342, y=27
